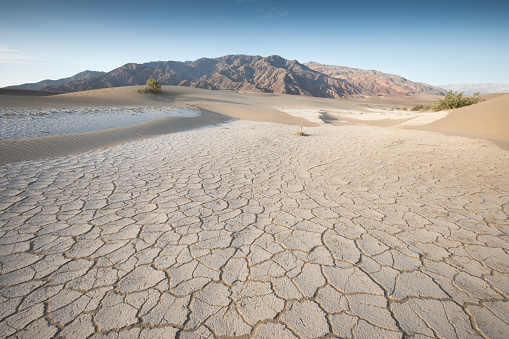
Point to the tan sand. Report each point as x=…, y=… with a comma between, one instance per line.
x=65, y=144
x=388, y=101
x=26, y=92
x=488, y=119
x=245, y=230
x=243, y=106
x=216, y=107
x=248, y=106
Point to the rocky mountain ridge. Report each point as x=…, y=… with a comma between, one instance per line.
x=272, y=74
x=375, y=82
x=45, y=84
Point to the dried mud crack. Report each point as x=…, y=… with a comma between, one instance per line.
x=252, y=232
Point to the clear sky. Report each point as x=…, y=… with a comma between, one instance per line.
x=436, y=42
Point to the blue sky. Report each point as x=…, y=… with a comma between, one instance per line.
x=436, y=42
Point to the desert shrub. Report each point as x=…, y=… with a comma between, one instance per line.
x=152, y=86
x=456, y=100
x=301, y=133
x=397, y=108
x=419, y=108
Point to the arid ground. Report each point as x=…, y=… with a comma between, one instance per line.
x=376, y=223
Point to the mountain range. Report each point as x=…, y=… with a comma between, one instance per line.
x=45, y=84
x=485, y=88
x=272, y=74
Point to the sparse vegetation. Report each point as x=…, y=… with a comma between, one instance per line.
x=152, y=86
x=456, y=100
x=450, y=101
x=301, y=133
x=419, y=108
x=397, y=108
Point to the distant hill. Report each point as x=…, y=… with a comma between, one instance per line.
x=272, y=74
x=371, y=82
x=44, y=84
x=485, y=88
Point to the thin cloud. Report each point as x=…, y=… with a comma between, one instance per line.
x=16, y=56
x=265, y=10
x=275, y=12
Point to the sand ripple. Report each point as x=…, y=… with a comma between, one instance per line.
x=39, y=122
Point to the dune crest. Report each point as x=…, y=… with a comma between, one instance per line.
x=488, y=119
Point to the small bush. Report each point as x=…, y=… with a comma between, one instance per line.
x=419, y=108
x=152, y=86
x=301, y=133
x=397, y=108
x=456, y=100
x=450, y=101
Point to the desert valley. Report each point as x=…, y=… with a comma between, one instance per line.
x=252, y=197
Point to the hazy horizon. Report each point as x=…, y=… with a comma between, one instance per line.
x=438, y=43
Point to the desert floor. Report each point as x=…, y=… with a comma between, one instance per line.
x=207, y=226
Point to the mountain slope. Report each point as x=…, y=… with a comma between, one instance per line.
x=41, y=85
x=232, y=72
x=470, y=89
x=371, y=82
x=272, y=74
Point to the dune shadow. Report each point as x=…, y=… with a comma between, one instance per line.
x=327, y=118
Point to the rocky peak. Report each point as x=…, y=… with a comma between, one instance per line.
x=240, y=72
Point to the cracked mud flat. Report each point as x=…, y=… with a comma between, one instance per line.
x=247, y=230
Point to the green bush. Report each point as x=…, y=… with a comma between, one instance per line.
x=152, y=86
x=450, y=101
x=456, y=100
x=397, y=108
x=419, y=108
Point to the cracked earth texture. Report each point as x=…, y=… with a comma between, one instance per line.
x=247, y=230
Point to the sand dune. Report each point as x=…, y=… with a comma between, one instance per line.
x=245, y=229
x=216, y=107
x=488, y=119
x=25, y=92
x=121, y=96
x=12, y=151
